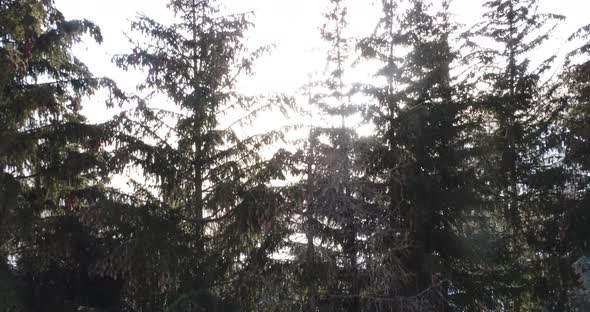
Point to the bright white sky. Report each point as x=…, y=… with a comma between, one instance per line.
x=292, y=25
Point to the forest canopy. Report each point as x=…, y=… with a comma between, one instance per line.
x=427, y=165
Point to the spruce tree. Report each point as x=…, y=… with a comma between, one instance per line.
x=430, y=129
x=567, y=237
x=52, y=163
x=518, y=170
x=334, y=201
x=422, y=114
x=195, y=165
x=390, y=243
x=331, y=213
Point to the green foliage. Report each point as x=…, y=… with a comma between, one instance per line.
x=422, y=123
x=49, y=157
x=211, y=179
x=472, y=193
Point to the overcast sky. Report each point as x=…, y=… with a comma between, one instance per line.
x=292, y=25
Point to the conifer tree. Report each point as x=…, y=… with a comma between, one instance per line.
x=390, y=243
x=334, y=202
x=331, y=213
x=336, y=180
x=518, y=168
x=52, y=163
x=565, y=237
x=422, y=121
x=211, y=178
x=430, y=129
x=472, y=194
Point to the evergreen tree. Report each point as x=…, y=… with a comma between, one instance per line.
x=391, y=241
x=334, y=201
x=330, y=255
x=520, y=172
x=52, y=163
x=570, y=139
x=423, y=119
x=431, y=129
x=472, y=194
x=206, y=174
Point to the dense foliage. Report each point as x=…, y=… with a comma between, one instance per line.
x=472, y=192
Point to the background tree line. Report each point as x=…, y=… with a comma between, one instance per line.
x=472, y=193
